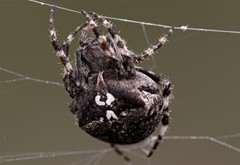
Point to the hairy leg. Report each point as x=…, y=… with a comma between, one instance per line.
x=120, y=153
x=62, y=52
x=152, y=50
x=124, y=54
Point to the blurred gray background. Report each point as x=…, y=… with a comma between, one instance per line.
x=203, y=66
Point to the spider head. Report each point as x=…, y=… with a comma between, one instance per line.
x=102, y=54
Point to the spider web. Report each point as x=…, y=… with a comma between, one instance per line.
x=222, y=142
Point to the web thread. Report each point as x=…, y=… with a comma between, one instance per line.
x=95, y=156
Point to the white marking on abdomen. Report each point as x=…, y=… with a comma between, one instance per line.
x=98, y=101
x=110, y=98
x=110, y=114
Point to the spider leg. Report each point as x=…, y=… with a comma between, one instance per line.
x=120, y=153
x=102, y=39
x=162, y=131
x=166, y=93
x=62, y=52
x=100, y=85
x=151, y=50
x=70, y=37
x=118, y=40
x=157, y=78
x=128, y=61
x=107, y=43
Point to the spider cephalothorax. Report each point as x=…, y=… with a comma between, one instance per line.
x=113, y=100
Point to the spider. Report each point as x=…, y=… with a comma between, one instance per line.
x=112, y=99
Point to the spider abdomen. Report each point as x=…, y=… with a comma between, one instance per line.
x=126, y=112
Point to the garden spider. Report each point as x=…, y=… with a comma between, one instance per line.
x=112, y=99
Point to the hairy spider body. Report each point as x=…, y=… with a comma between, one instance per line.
x=121, y=111
x=112, y=99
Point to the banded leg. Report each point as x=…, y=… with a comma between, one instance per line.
x=122, y=44
x=150, y=51
x=62, y=52
x=166, y=93
x=120, y=153
x=117, y=39
x=106, y=42
x=65, y=46
x=127, y=59
x=70, y=37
